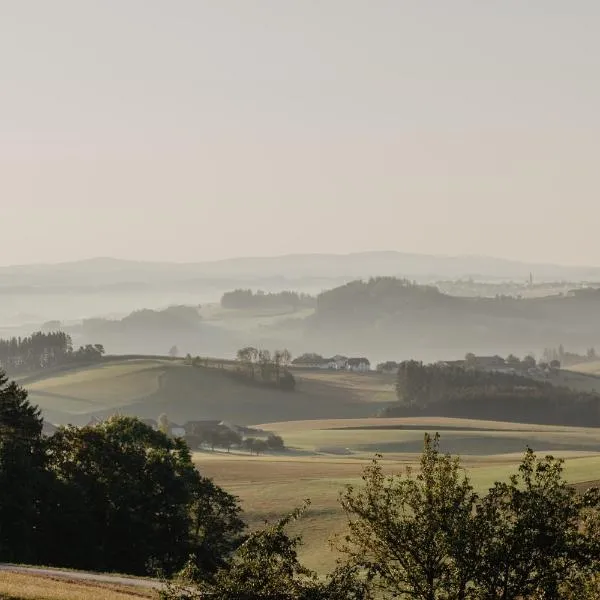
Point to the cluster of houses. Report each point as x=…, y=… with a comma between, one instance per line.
x=336, y=363
x=205, y=427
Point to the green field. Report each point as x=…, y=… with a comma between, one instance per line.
x=270, y=486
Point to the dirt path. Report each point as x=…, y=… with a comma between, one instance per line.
x=84, y=576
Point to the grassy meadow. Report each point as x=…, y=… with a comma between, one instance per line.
x=315, y=468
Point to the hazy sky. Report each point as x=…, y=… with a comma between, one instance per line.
x=199, y=129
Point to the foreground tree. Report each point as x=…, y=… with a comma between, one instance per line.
x=430, y=537
x=266, y=567
x=23, y=480
x=537, y=535
x=132, y=501
x=414, y=535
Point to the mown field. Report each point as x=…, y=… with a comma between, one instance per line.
x=149, y=387
x=315, y=468
x=17, y=586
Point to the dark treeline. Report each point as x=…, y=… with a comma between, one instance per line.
x=117, y=496
x=43, y=350
x=246, y=299
x=452, y=391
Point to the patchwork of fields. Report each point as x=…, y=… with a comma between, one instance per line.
x=149, y=387
x=328, y=425
x=314, y=467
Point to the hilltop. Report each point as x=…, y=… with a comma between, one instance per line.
x=294, y=266
x=147, y=387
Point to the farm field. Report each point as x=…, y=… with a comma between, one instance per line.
x=270, y=486
x=148, y=387
x=250, y=319
x=18, y=586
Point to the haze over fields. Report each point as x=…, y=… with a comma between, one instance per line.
x=255, y=252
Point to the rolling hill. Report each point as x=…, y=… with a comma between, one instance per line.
x=148, y=387
x=271, y=486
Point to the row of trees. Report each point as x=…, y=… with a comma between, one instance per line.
x=43, y=350
x=264, y=366
x=424, y=384
x=428, y=535
x=221, y=436
x=241, y=299
x=126, y=498
x=569, y=358
x=454, y=391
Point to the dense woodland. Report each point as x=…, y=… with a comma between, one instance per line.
x=44, y=350
x=386, y=315
x=451, y=391
x=247, y=299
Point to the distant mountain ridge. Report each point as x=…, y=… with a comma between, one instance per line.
x=421, y=267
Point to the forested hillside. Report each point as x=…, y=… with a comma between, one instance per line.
x=44, y=350
x=387, y=318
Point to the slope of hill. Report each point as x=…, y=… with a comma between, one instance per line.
x=149, y=387
x=271, y=486
x=387, y=317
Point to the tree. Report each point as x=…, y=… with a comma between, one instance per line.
x=265, y=362
x=248, y=356
x=174, y=352
x=22, y=475
x=534, y=533
x=513, y=361
x=287, y=382
x=248, y=444
x=230, y=438
x=259, y=446
x=529, y=362
x=275, y=442
x=217, y=527
x=308, y=358
x=277, y=364
x=286, y=357
x=122, y=476
x=470, y=360
x=414, y=534
x=164, y=426
x=430, y=537
x=266, y=567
